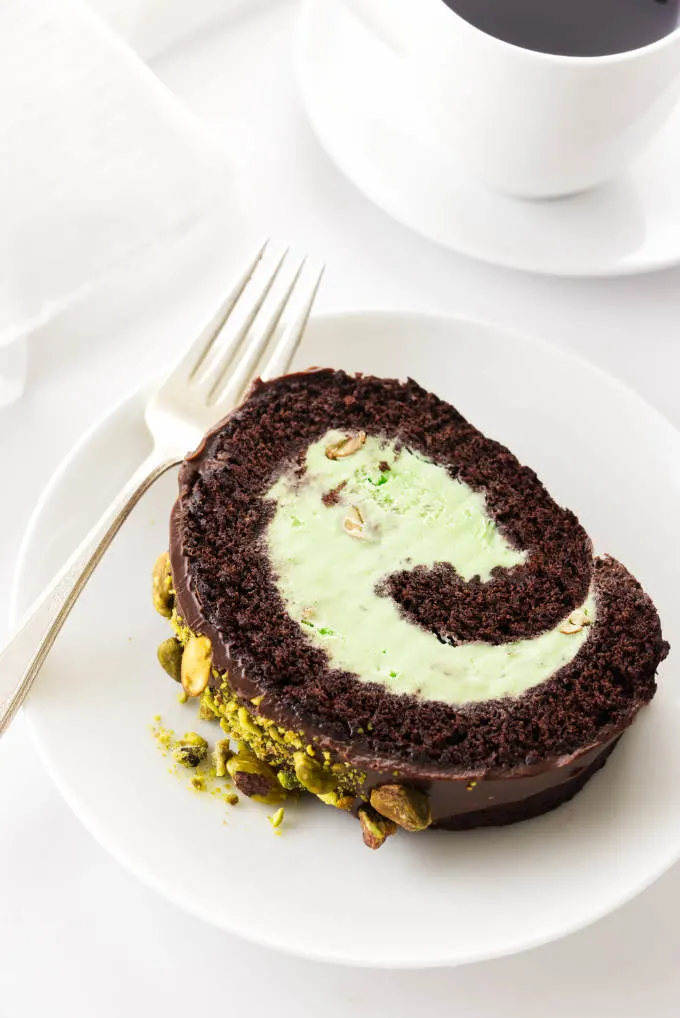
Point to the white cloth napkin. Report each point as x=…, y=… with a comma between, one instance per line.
x=98, y=160
x=151, y=26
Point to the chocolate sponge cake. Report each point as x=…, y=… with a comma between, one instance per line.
x=384, y=608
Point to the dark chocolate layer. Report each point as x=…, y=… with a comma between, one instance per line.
x=225, y=589
x=503, y=804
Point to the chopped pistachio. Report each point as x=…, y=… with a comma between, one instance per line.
x=312, y=776
x=287, y=780
x=255, y=778
x=190, y=750
x=246, y=722
x=353, y=523
x=277, y=819
x=221, y=755
x=346, y=446
x=205, y=712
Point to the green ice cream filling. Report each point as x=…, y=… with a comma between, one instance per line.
x=397, y=509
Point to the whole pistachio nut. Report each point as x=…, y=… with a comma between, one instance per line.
x=405, y=806
x=162, y=590
x=255, y=778
x=312, y=775
x=196, y=662
x=375, y=829
x=170, y=657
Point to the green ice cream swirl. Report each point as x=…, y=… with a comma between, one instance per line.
x=395, y=509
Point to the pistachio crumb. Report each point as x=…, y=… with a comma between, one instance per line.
x=231, y=799
x=277, y=818
x=164, y=737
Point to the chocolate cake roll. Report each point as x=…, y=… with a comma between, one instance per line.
x=384, y=608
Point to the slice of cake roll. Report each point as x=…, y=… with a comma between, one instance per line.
x=387, y=610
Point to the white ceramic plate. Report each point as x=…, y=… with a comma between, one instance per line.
x=369, y=120
x=431, y=899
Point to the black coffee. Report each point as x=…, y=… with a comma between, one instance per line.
x=573, y=27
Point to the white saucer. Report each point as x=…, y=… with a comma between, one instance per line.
x=368, y=120
x=422, y=900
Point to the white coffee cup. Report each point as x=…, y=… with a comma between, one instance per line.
x=530, y=124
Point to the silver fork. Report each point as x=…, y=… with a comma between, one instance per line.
x=209, y=381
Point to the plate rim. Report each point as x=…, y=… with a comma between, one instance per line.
x=145, y=875
x=619, y=269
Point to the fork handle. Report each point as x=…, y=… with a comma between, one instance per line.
x=23, y=655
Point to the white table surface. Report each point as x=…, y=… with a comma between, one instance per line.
x=78, y=935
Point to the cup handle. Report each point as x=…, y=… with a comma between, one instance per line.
x=13, y=364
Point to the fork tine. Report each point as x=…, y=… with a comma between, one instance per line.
x=225, y=356
x=238, y=381
x=282, y=356
x=195, y=356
